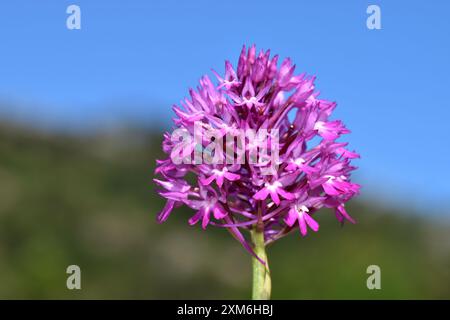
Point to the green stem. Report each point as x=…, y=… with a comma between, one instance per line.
x=261, y=273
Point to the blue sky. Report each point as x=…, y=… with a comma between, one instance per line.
x=134, y=59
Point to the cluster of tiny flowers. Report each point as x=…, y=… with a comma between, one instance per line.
x=312, y=169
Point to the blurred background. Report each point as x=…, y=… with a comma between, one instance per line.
x=82, y=114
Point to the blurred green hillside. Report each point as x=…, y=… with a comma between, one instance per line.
x=89, y=200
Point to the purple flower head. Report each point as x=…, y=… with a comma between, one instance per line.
x=236, y=186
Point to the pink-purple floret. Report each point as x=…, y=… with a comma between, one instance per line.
x=311, y=173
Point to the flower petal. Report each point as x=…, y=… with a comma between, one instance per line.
x=344, y=214
x=196, y=217
x=275, y=197
x=311, y=222
x=261, y=194
x=205, y=219
x=219, y=212
x=164, y=214
x=285, y=194
x=232, y=176
x=302, y=224
x=329, y=189
x=291, y=217
x=207, y=181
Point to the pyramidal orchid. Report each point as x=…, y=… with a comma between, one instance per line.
x=262, y=151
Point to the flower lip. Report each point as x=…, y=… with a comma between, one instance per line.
x=301, y=209
x=320, y=125
x=220, y=172
x=273, y=186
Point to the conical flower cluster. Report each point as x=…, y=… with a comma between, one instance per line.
x=257, y=149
